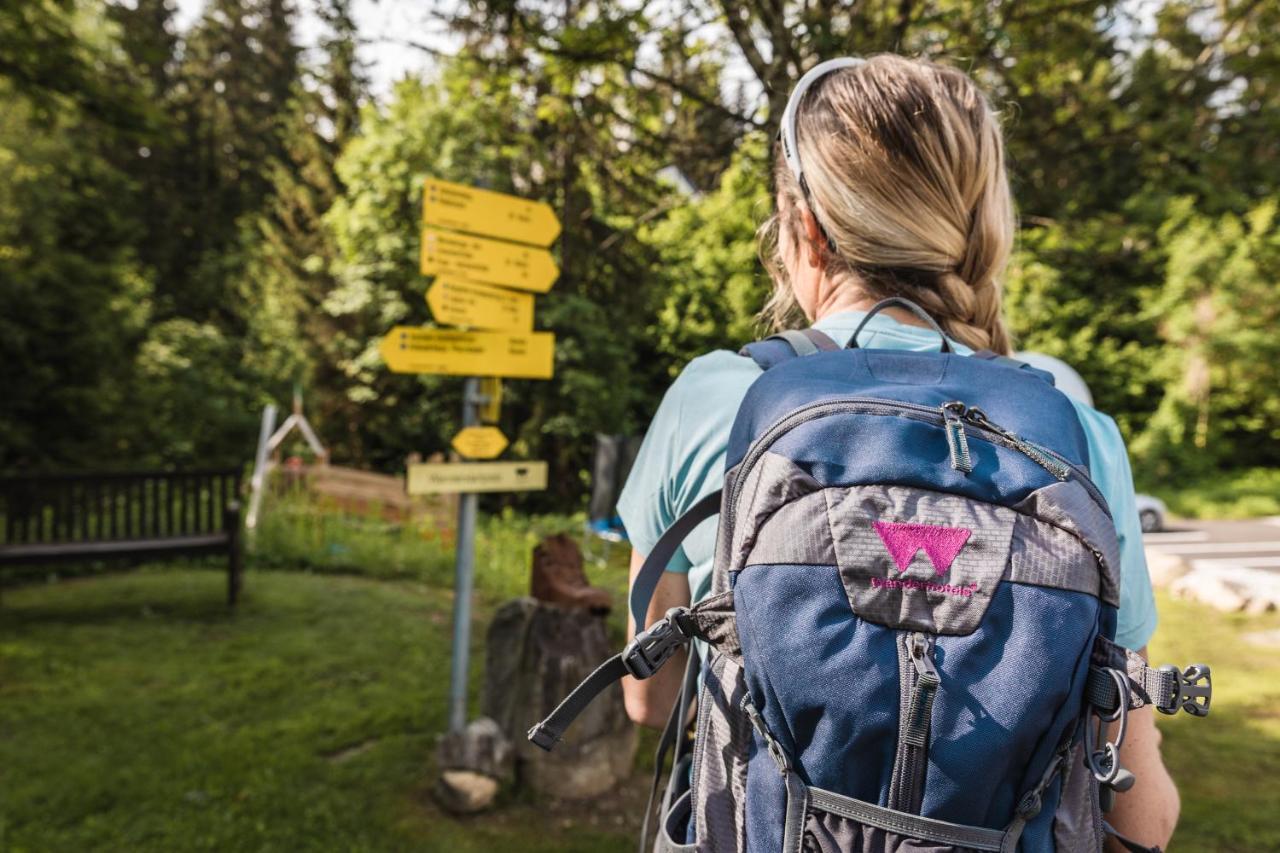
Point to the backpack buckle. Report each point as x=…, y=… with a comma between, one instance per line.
x=655, y=645
x=1192, y=690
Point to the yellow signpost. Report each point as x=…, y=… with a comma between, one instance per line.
x=476, y=211
x=413, y=349
x=438, y=478
x=480, y=442
x=488, y=261
x=489, y=407
x=465, y=303
x=466, y=267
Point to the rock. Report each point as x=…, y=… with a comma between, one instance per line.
x=558, y=577
x=536, y=654
x=1165, y=568
x=465, y=791
x=481, y=747
x=1208, y=588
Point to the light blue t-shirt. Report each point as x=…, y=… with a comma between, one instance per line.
x=682, y=459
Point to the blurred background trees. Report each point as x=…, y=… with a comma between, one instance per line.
x=192, y=222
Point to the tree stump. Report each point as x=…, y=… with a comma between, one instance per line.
x=536, y=654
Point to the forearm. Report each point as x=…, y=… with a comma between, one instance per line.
x=649, y=702
x=1147, y=812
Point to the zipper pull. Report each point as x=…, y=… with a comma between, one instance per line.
x=976, y=416
x=952, y=414
x=920, y=710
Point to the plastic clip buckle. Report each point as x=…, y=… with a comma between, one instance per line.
x=655, y=645
x=1193, y=690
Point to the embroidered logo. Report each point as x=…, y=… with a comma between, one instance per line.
x=903, y=540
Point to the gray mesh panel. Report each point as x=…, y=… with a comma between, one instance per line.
x=773, y=482
x=798, y=532
x=1077, y=824
x=1069, y=506
x=920, y=597
x=720, y=771
x=1045, y=555
x=724, y=537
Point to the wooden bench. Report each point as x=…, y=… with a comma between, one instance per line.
x=77, y=517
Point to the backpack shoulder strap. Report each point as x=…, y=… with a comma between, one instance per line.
x=653, y=645
x=787, y=345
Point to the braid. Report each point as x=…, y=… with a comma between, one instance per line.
x=905, y=176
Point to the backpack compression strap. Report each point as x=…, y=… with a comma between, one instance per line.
x=653, y=645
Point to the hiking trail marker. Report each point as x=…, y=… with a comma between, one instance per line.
x=488, y=261
x=481, y=306
x=454, y=352
x=488, y=253
x=440, y=478
x=480, y=442
x=462, y=208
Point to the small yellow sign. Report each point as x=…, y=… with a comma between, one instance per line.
x=476, y=211
x=411, y=349
x=480, y=442
x=466, y=303
x=491, y=390
x=489, y=261
x=439, y=478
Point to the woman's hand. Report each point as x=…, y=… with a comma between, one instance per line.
x=649, y=702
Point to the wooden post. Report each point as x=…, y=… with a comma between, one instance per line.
x=231, y=522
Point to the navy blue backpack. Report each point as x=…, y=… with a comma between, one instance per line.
x=909, y=638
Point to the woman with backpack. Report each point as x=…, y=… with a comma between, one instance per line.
x=891, y=182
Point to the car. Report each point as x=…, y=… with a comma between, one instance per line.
x=1151, y=513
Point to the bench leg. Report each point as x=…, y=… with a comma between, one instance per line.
x=231, y=521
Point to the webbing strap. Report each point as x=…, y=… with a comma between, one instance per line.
x=913, y=825
x=1157, y=687
x=646, y=580
x=799, y=342
x=547, y=733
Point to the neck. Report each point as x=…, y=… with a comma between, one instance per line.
x=835, y=298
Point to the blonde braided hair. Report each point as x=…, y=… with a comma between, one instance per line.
x=905, y=174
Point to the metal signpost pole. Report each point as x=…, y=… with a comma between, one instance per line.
x=464, y=571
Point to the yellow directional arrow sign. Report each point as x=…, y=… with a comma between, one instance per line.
x=480, y=442
x=477, y=211
x=410, y=349
x=465, y=303
x=489, y=261
x=436, y=478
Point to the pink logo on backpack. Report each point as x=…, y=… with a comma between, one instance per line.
x=941, y=544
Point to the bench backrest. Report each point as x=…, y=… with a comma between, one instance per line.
x=64, y=508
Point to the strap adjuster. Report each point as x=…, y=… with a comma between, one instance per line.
x=655, y=645
x=1192, y=690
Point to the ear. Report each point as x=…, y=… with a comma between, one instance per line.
x=814, y=241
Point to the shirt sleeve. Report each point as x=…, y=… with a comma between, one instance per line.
x=1109, y=464
x=646, y=504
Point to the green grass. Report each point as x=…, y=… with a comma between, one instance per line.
x=137, y=714
x=1227, y=765
x=1245, y=493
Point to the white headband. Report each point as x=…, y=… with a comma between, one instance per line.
x=788, y=129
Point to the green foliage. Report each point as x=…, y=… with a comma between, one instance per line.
x=1236, y=493
x=192, y=222
x=712, y=285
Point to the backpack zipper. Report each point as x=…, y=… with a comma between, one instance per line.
x=970, y=417
x=913, y=752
